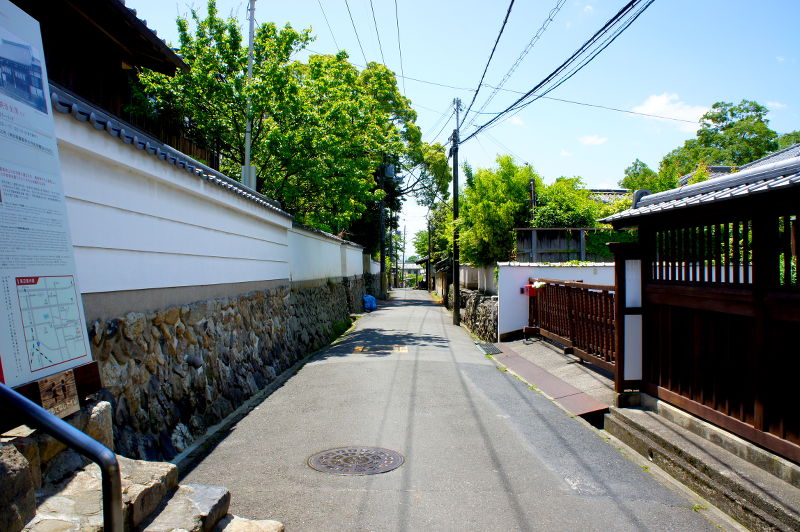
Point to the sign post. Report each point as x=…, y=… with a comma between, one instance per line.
x=42, y=328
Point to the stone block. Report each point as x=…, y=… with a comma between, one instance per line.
x=232, y=523
x=193, y=508
x=17, y=495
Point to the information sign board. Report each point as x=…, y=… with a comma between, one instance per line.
x=42, y=326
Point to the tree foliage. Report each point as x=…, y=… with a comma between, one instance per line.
x=788, y=139
x=495, y=203
x=566, y=203
x=729, y=135
x=321, y=129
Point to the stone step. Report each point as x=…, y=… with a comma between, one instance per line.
x=232, y=523
x=192, y=508
x=76, y=503
x=747, y=493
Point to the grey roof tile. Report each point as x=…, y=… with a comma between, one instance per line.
x=65, y=102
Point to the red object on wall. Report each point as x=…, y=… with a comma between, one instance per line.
x=529, y=290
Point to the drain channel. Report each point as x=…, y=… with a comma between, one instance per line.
x=356, y=460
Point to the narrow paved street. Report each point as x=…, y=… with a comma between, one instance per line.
x=483, y=452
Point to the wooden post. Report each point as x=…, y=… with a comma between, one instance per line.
x=628, y=303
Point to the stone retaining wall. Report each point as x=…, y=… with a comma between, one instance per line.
x=478, y=313
x=172, y=374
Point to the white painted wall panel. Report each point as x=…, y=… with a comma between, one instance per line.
x=109, y=270
x=512, y=311
x=140, y=223
x=354, y=260
x=313, y=256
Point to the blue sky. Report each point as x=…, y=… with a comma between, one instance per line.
x=676, y=60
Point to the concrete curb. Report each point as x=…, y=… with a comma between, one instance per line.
x=733, y=489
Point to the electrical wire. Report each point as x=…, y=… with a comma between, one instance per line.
x=491, y=55
x=329, y=24
x=433, y=139
x=559, y=71
x=377, y=34
x=586, y=60
x=438, y=120
x=550, y=16
x=356, y=31
x=399, y=48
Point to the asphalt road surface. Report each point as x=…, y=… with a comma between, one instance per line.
x=483, y=452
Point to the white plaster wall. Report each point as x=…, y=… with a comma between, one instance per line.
x=354, y=260
x=138, y=222
x=486, y=281
x=374, y=267
x=314, y=256
x=512, y=311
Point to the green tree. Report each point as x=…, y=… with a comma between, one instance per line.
x=493, y=206
x=321, y=129
x=788, y=139
x=566, y=203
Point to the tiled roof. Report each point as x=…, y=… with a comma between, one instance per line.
x=66, y=103
x=782, y=155
x=713, y=173
x=773, y=176
x=298, y=225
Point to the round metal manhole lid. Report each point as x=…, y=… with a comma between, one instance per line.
x=356, y=460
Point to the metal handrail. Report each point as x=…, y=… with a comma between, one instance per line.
x=36, y=416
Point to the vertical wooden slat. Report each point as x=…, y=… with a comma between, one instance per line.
x=701, y=252
x=786, y=249
x=736, y=248
x=718, y=253
x=746, y=258
x=726, y=234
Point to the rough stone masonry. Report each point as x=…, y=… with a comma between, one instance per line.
x=173, y=373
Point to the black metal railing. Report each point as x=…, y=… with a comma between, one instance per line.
x=29, y=413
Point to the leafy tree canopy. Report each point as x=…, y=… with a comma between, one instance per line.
x=566, y=203
x=495, y=203
x=788, y=139
x=320, y=130
x=729, y=135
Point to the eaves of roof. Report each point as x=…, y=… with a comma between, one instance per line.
x=320, y=232
x=67, y=103
x=755, y=180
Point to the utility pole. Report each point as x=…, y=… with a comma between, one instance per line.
x=430, y=256
x=382, y=208
x=248, y=171
x=404, y=257
x=456, y=265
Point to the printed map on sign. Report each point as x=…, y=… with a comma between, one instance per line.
x=51, y=319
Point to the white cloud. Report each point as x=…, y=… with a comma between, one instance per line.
x=774, y=106
x=670, y=105
x=565, y=153
x=780, y=59
x=588, y=8
x=592, y=140
x=517, y=121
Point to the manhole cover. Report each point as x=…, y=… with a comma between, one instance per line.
x=488, y=349
x=356, y=461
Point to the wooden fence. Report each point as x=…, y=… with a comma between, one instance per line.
x=578, y=316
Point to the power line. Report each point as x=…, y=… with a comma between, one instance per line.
x=518, y=104
x=399, y=48
x=480, y=83
x=587, y=60
x=438, y=120
x=433, y=139
x=329, y=24
x=377, y=34
x=356, y=31
x=617, y=109
x=550, y=16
